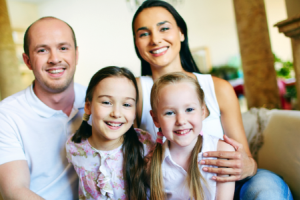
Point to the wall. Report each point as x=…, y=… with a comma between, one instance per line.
x=103, y=30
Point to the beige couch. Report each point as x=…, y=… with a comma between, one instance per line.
x=274, y=137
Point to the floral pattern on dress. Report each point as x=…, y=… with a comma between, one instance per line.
x=100, y=172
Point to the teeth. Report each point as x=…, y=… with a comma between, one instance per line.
x=182, y=132
x=160, y=50
x=114, y=124
x=55, y=71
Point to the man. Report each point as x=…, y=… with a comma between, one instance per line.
x=36, y=122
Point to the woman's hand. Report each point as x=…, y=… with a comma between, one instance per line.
x=238, y=165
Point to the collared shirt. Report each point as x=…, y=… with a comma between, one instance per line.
x=174, y=176
x=101, y=172
x=32, y=131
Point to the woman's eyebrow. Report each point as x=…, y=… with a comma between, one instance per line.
x=158, y=24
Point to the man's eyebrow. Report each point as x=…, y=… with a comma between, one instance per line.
x=158, y=24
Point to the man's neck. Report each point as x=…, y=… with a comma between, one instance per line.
x=57, y=101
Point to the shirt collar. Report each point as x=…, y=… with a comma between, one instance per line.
x=45, y=111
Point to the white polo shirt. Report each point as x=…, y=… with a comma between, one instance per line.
x=31, y=131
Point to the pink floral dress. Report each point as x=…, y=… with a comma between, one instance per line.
x=100, y=172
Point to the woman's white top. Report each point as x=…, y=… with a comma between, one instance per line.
x=211, y=125
x=174, y=176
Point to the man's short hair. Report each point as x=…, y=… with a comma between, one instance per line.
x=26, y=36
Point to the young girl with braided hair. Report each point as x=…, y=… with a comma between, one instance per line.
x=108, y=156
x=175, y=172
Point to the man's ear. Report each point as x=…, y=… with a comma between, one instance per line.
x=27, y=60
x=87, y=108
x=154, y=117
x=77, y=54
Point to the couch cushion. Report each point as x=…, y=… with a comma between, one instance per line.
x=280, y=152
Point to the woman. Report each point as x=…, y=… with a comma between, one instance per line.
x=161, y=43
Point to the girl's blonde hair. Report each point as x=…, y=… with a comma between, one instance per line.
x=194, y=175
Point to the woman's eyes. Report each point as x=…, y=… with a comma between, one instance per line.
x=144, y=34
x=164, y=29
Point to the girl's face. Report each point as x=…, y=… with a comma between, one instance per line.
x=179, y=113
x=157, y=37
x=112, y=108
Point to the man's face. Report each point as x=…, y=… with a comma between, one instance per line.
x=52, y=55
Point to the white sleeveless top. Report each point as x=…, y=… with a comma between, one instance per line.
x=174, y=176
x=210, y=125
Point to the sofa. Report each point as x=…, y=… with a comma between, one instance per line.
x=274, y=140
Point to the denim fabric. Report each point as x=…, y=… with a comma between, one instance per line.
x=264, y=185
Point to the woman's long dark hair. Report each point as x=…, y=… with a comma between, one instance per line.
x=186, y=58
x=133, y=151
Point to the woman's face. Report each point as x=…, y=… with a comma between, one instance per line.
x=157, y=37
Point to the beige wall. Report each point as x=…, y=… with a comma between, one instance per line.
x=103, y=29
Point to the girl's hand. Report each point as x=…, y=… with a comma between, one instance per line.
x=238, y=165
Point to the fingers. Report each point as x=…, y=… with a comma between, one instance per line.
x=223, y=171
x=223, y=163
x=223, y=154
x=226, y=179
x=232, y=142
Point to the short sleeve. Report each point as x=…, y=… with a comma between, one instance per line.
x=11, y=146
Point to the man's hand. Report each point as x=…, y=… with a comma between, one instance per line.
x=238, y=165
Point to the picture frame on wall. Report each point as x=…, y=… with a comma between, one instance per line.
x=202, y=58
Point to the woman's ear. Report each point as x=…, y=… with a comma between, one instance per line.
x=154, y=117
x=181, y=36
x=87, y=108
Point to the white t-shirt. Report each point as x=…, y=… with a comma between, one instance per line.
x=174, y=176
x=32, y=131
x=211, y=125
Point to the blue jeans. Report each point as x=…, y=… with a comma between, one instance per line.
x=263, y=186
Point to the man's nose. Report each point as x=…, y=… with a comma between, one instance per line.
x=54, y=57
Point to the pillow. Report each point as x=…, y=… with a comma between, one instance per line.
x=280, y=152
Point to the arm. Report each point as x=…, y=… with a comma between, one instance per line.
x=14, y=171
x=240, y=163
x=15, y=181
x=225, y=190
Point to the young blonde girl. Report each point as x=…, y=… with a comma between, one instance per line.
x=175, y=171
x=108, y=156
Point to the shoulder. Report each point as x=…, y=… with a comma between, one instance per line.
x=14, y=99
x=223, y=146
x=224, y=92
x=221, y=86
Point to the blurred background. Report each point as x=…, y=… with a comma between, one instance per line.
x=104, y=35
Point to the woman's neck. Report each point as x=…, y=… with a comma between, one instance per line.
x=181, y=155
x=103, y=144
x=175, y=66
